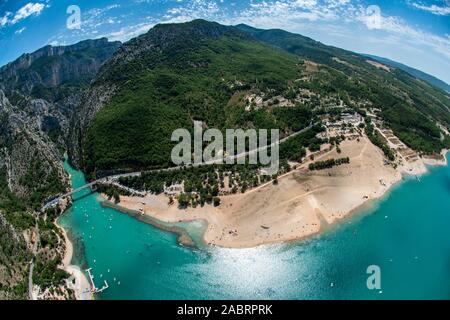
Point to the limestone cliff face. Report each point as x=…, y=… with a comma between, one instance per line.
x=49, y=83
x=38, y=94
x=28, y=156
x=95, y=98
x=54, y=66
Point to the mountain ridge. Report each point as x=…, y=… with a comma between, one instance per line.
x=164, y=58
x=51, y=66
x=120, y=106
x=432, y=80
x=200, y=48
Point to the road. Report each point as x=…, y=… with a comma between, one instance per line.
x=30, y=273
x=113, y=178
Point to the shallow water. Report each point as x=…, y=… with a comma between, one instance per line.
x=407, y=234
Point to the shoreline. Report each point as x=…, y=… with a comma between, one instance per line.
x=435, y=162
x=317, y=217
x=368, y=206
x=81, y=286
x=183, y=237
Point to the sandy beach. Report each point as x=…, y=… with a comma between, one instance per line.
x=80, y=283
x=302, y=204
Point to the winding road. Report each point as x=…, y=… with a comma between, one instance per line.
x=30, y=273
x=114, y=178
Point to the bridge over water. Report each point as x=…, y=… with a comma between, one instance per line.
x=106, y=180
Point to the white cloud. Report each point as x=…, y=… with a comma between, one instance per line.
x=96, y=12
x=4, y=20
x=305, y=3
x=335, y=22
x=338, y=17
x=28, y=10
x=126, y=33
x=434, y=9
x=19, y=31
x=400, y=28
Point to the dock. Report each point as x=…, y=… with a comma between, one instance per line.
x=94, y=289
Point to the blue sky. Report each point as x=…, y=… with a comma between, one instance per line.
x=414, y=32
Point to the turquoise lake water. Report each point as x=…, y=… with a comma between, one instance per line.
x=407, y=234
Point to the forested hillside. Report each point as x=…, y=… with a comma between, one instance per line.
x=232, y=77
x=411, y=107
x=114, y=106
x=414, y=72
x=193, y=71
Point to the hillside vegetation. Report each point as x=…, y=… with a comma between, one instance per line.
x=204, y=77
x=411, y=107
x=231, y=77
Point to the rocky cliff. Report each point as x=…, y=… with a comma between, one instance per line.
x=52, y=66
x=38, y=94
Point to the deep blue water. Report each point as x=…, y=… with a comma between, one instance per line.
x=407, y=234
